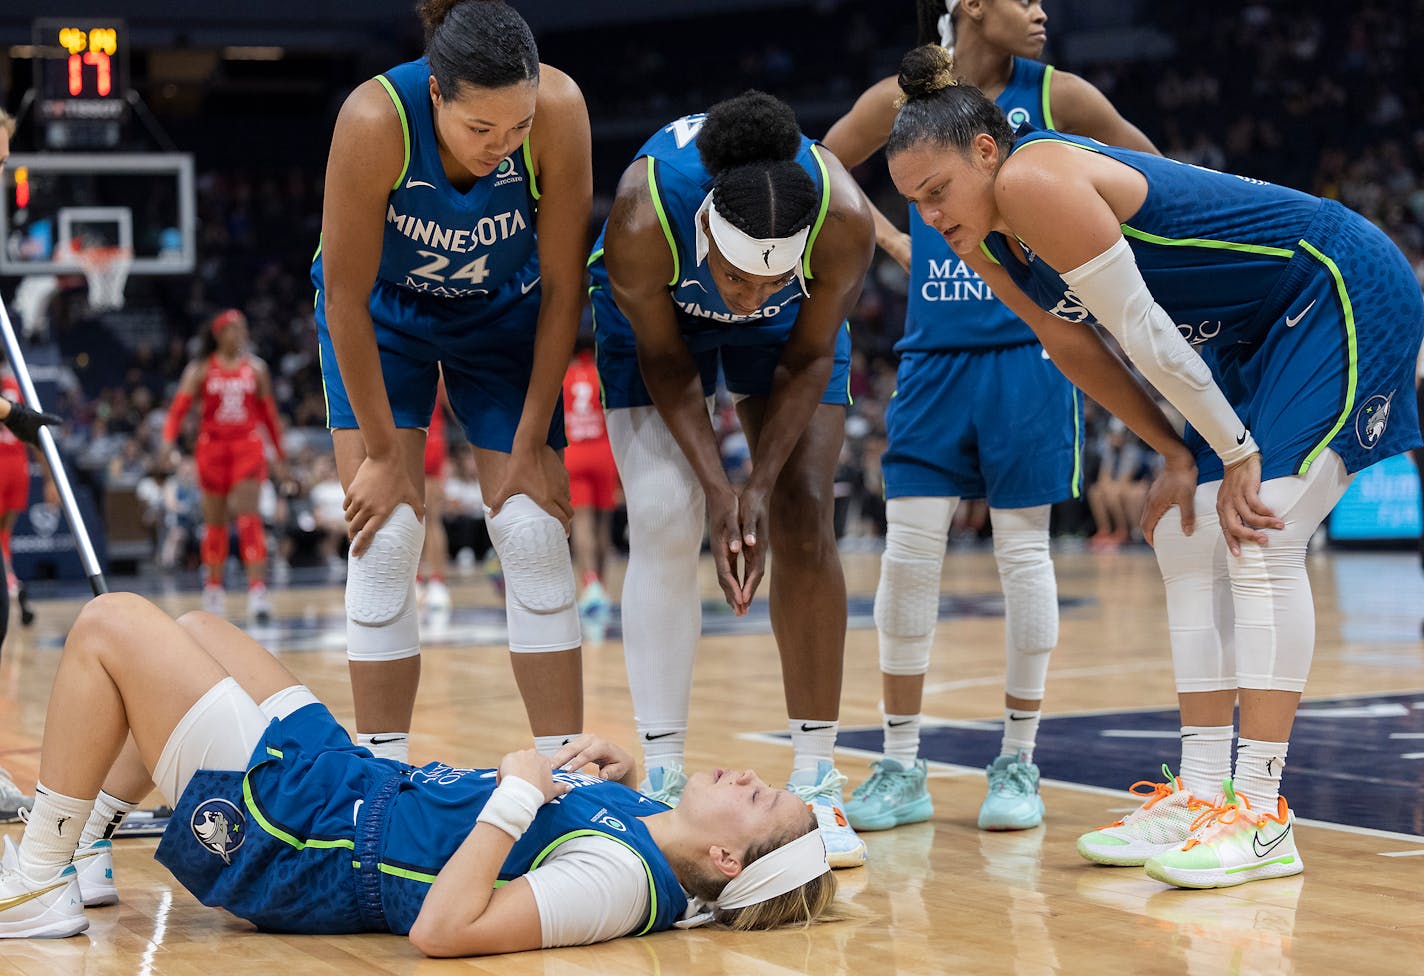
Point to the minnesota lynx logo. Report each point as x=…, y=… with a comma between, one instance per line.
x=218, y=826
x=1371, y=420
x=1017, y=117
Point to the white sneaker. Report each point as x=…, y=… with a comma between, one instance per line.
x=51, y=909
x=821, y=789
x=1162, y=823
x=12, y=801
x=214, y=599
x=95, y=864
x=259, y=605
x=437, y=597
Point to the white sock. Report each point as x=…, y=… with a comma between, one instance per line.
x=548, y=745
x=386, y=745
x=902, y=738
x=663, y=745
x=1020, y=733
x=1258, y=772
x=52, y=831
x=1206, y=758
x=812, y=740
x=109, y=812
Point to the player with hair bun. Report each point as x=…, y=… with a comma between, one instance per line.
x=736, y=243
x=236, y=388
x=963, y=346
x=1284, y=328
x=457, y=202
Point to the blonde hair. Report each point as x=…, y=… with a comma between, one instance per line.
x=814, y=901
x=7, y=122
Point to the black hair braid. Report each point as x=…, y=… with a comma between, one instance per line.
x=750, y=143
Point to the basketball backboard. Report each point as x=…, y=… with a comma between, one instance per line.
x=141, y=201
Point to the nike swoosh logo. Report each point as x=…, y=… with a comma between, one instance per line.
x=527, y=288
x=1291, y=321
x=1241, y=438
x=1019, y=718
x=17, y=900
x=692, y=281
x=1263, y=849
x=896, y=725
x=409, y=184
x=650, y=737
x=382, y=740
x=356, y=810
x=813, y=728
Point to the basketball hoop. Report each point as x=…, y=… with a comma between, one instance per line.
x=106, y=269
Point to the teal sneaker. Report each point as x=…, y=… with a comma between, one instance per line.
x=594, y=609
x=1013, y=802
x=664, y=784
x=893, y=795
x=821, y=789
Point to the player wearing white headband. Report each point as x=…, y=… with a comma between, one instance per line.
x=735, y=244
x=281, y=820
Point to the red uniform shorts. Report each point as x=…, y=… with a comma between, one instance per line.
x=224, y=463
x=14, y=482
x=593, y=477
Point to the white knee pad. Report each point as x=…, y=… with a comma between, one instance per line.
x=538, y=576
x=1030, y=596
x=381, y=618
x=907, y=597
x=1275, y=614
x=1199, y=612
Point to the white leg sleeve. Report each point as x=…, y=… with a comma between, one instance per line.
x=661, y=605
x=381, y=619
x=219, y=731
x=1030, y=596
x=1199, y=613
x=538, y=577
x=1275, y=615
x=907, y=597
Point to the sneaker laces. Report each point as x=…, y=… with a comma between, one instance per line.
x=827, y=787
x=1153, y=793
x=1013, y=780
x=672, y=785
x=880, y=783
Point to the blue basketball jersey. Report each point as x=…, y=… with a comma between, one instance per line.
x=443, y=243
x=949, y=305
x=1224, y=255
x=679, y=184
x=319, y=837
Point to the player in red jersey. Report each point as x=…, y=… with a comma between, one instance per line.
x=15, y=495
x=593, y=486
x=232, y=462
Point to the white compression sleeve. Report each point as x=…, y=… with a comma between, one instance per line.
x=1111, y=287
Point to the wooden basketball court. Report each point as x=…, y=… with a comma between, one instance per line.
x=938, y=897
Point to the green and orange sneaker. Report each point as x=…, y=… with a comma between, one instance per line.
x=1162, y=823
x=1231, y=845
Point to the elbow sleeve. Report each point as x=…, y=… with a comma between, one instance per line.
x=1112, y=288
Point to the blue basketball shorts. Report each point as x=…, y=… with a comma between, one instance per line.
x=747, y=355
x=1000, y=423
x=487, y=356
x=1336, y=371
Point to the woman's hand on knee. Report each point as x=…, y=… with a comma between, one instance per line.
x=1238, y=504
x=1176, y=484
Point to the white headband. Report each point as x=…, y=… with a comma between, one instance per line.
x=946, y=25
x=766, y=258
x=785, y=869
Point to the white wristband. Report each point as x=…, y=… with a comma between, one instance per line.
x=512, y=806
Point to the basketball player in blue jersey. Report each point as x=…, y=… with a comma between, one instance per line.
x=457, y=196
x=1282, y=326
x=962, y=345
x=281, y=820
x=733, y=242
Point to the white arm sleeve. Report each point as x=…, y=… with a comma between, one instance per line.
x=1111, y=287
x=591, y=889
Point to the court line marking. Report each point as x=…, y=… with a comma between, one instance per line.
x=1418, y=853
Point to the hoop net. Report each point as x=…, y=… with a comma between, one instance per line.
x=106, y=269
